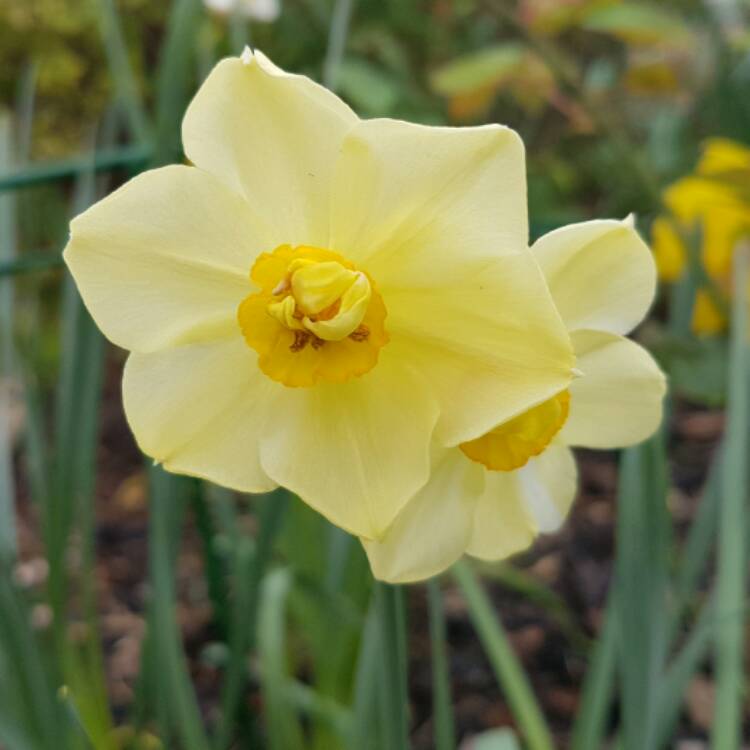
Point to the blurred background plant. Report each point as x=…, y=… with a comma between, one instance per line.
x=139, y=610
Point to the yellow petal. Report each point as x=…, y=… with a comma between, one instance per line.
x=601, y=274
x=274, y=137
x=502, y=525
x=517, y=505
x=707, y=317
x=164, y=259
x=722, y=156
x=548, y=484
x=413, y=203
x=693, y=197
x=200, y=410
x=716, y=212
x=618, y=399
x=355, y=451
x=722, y=229
x=489, y=342
x=669, y=250
x=433, y=529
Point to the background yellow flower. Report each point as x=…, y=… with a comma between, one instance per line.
x=710, y=212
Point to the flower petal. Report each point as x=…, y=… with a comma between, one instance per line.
x=200, y=409
x=548, y=485
x=164, y=260
x=502, y=524
x=518, y=505
x=601, y=274
x=273, y=137
x=489, y=341
x=433, y=529
x=356, y=451
x=618, y=400
x=410, y=199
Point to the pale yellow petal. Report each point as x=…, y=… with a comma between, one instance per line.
x=200, y=410
x=274, y=137
x=618, y=399
x=601, y=274
x=411, y=200
x=490, y=343
x=517, y=505
x=502, y=524
x=433, y=529
x=548, y=484
x=354, y=451
x=164, y=260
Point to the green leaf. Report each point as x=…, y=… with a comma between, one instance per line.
x=394, y=699
x=126, y=88
x=8, y=241
x=369, y=88
x=338, y=33
x=368, y=733
x=636, y=23
x=732, y=555
x=591, y=721
x=484, y=69
x=172, y=689
x=643, y=541
x=508, y=671
x=284, y=731
x=250, y=563
x=697, y=367
x=174, y=77
x=445, y=731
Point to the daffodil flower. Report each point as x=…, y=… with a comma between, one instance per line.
x=259, y=10
x=320, y=297
x=490, y=497
x=714, y=205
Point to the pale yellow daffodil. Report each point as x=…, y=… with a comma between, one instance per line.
x=492, y=496
x=319, y=298
x=711, y=207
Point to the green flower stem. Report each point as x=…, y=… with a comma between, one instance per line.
x=504, y=662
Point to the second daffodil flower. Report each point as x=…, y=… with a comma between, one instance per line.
x=319, y=297
x=491, y=496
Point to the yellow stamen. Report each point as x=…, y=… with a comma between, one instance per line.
x=513, y=443
x=316, y=317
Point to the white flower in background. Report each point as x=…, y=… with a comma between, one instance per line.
x=258, y=10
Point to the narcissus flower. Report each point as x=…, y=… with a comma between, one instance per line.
x=319, y=297
x=491, y=496
x=259, y=10
x=711, y=209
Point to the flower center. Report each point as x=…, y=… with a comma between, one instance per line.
x=513, y=443
x=322, y=298
x=316, y=317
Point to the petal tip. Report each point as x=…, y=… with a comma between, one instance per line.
x=248, y=56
